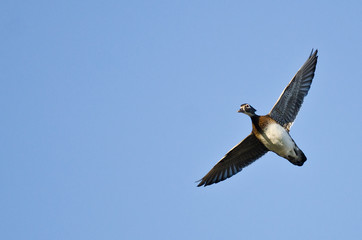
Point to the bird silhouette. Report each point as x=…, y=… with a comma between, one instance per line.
x=270, y=132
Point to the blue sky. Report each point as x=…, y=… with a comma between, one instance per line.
x=111, y=110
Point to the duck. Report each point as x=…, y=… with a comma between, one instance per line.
x=270, y=132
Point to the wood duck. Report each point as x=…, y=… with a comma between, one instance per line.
x=270, y=132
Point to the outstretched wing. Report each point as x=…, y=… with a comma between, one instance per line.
x=243, y=154
x=287, y=107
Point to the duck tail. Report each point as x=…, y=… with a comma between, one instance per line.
x=299, y=159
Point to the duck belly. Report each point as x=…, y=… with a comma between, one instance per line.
x=278, y=140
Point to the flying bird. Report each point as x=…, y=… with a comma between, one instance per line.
x=270, y=132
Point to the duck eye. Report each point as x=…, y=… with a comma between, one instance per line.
x=247, y=105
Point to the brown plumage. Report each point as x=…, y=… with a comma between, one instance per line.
x=259, y=124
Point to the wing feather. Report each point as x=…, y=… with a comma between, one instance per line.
x=288, y=105
x=243, y=154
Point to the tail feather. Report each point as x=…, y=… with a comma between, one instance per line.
x=300, y=159
x=303, y=157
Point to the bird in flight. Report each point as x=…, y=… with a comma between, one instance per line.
x=270, y=132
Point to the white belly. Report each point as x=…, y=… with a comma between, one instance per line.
x=278, y=140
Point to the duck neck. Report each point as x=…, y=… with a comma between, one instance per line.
x=255, y=118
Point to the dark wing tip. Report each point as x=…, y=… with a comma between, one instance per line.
x=209, y=180
x=200, y=183
x=217, y=175
x=313, y=53
x=205, y=181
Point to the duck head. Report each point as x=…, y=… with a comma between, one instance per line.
x=247, y=109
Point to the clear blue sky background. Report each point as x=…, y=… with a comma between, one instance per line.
x=111, y=110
